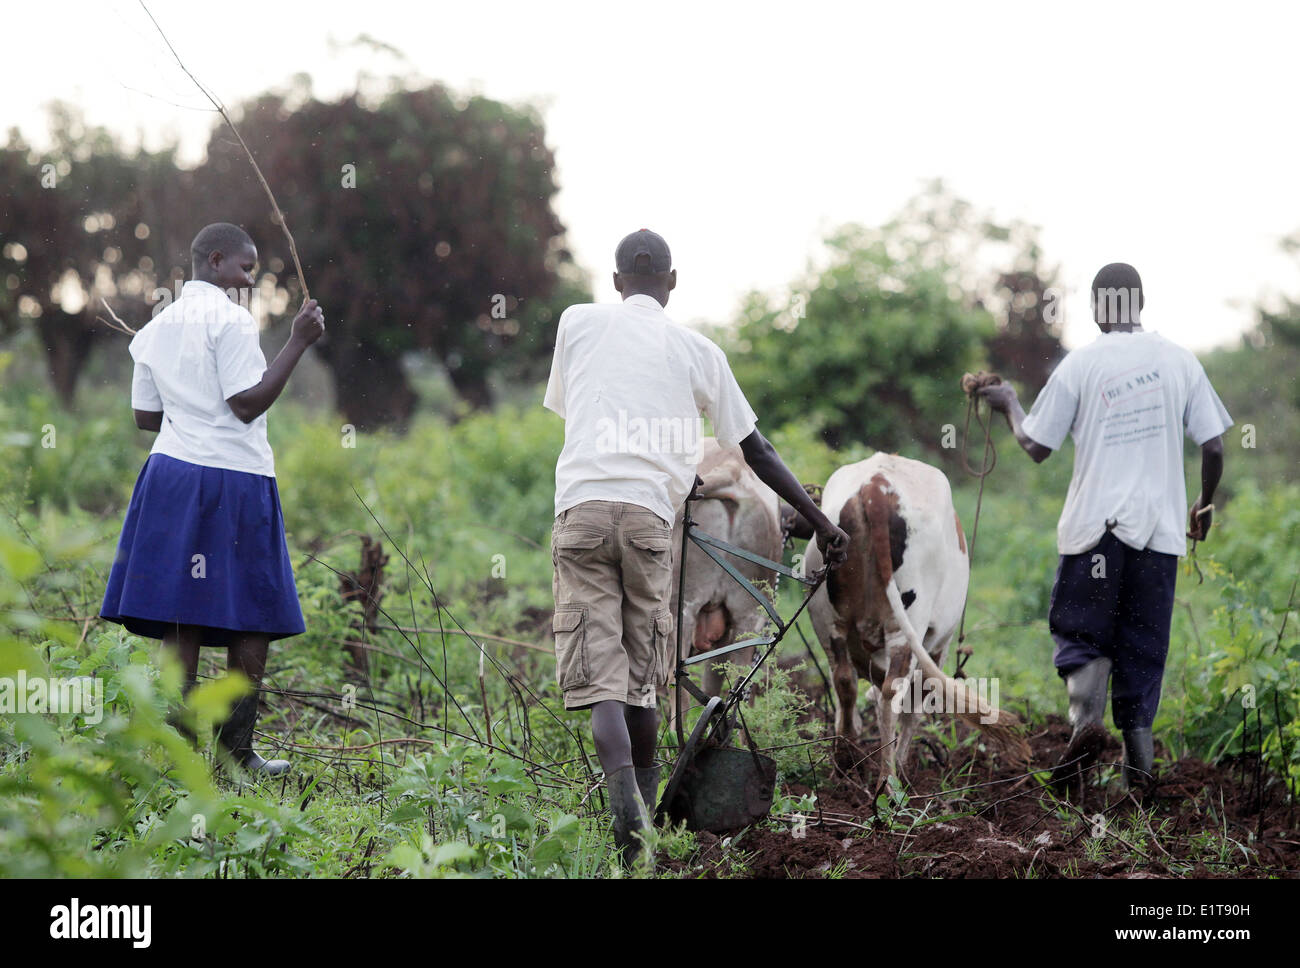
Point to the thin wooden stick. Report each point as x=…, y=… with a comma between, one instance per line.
x=117, y=323
x=221, y=108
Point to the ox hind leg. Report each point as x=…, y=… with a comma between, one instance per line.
x=707, y=629
x=848, y=721
x=848, y=754
x=714, y=630
x=895, y=685
x=743, y=619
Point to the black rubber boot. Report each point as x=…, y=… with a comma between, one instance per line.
x=1086, y=687
x=1139, y=759
x=236, y=736
x=175, y=718
x=630, y=815
x=647, y=783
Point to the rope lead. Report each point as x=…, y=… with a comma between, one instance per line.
x=972, y=384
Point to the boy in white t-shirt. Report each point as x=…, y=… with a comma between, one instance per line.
x=1127, y=399
x=631, y=385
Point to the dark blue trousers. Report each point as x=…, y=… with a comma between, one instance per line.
x=1115, y=601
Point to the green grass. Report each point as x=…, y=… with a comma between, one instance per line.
x=418, y=788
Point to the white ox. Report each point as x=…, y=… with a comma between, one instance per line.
x=888, y=613
x=736, y=507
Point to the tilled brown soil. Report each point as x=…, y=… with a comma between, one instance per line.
x=1202, y=821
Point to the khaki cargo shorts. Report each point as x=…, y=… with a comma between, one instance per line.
x=613, y=625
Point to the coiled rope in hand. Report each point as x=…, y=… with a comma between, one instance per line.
x=971, y=384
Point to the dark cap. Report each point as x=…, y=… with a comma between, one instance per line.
x=639, y=243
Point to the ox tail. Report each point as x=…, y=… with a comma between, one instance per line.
x=1000, y=726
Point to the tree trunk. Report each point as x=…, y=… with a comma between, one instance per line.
x=369, y=384
x=471, y=386
x=67, y=341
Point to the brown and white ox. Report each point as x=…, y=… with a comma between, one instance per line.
x=888, y=613
x=736, y=507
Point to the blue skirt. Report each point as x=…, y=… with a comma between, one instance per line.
x=203, y=546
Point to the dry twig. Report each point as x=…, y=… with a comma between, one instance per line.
x=116, y=323
x=221, y=109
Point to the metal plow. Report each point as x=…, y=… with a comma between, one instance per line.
x=715, y=785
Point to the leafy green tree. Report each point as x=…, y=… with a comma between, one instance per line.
x=1281, y=327
x=1256, y=379
x=998, y=266
x=82, y=220
x=1027, y=344
x=424, y=223
x=870, y=348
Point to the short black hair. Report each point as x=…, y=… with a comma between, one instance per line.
x=223, y=237
x=1118, y=277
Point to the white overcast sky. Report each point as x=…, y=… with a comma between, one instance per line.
x=1161, y=135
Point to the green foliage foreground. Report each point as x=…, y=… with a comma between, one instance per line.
x=395, y=775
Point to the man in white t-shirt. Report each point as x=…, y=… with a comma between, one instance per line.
x=1127, y=399
x=631, y=385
